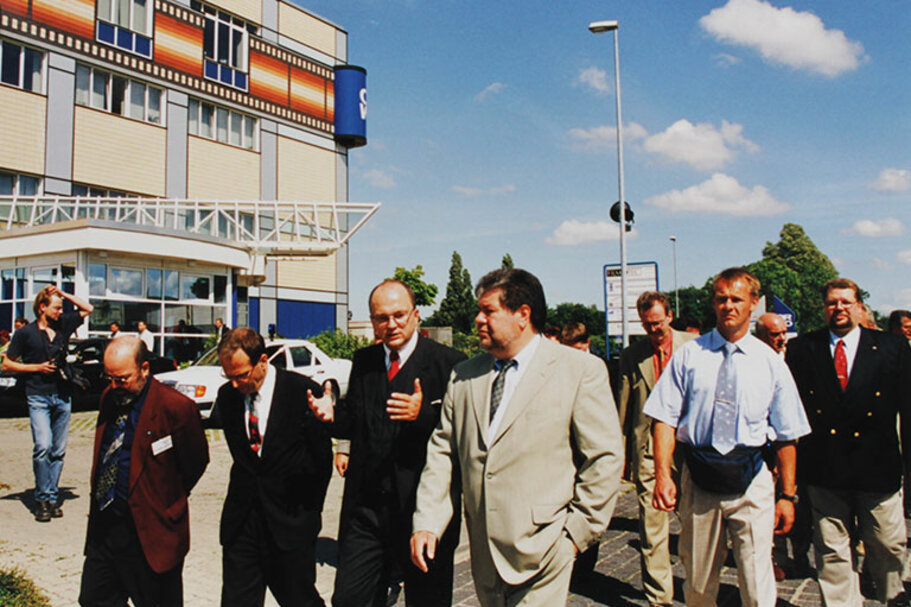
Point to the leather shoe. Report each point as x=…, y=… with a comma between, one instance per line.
x=899, y=600
x=42, y=512
x=56, y=510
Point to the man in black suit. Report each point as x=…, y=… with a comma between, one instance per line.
x=392, y=407
x=282, y=463
x=853, y=382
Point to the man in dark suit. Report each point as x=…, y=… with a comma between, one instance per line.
x=853, y=382
x=392, y=407
x=150, y=450
x=282, y=464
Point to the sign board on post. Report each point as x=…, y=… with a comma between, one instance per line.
x=789, y=315
x=640, y=277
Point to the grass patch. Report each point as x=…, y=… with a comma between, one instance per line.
x=17, y=590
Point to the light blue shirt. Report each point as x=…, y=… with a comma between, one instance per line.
x=768, y=404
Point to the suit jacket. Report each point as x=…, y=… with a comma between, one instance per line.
x=854, y=445
x=522, y=490
x=389, y=455
x=159, y=484
x=287, y=482
x=637, y=378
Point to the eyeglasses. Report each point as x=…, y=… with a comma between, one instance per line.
x=398, y=317
x=839, y=303
x=238, y=376
x=118, y=379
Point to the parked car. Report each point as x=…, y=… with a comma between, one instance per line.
x=201, y=380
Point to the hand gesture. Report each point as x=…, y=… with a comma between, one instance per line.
x=405, y=407
x=323, y=407
x=47, y=367
x=421, y=542
x=665, y=496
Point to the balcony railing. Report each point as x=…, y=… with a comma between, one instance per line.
x=271, y=228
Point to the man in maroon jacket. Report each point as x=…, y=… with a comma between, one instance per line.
x=150, y=450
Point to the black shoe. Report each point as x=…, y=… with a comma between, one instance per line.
x=56, y=510
x=42, y=512
x=392, y=593
x=899, y=600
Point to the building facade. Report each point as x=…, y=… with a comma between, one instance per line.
x=176, y=162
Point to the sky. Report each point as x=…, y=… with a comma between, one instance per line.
x=492, y=129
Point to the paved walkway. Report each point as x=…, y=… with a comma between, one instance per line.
x=51, y=553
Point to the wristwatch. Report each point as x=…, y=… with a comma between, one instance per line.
x=790, y=498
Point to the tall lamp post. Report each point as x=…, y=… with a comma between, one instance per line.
x=599, y=27
x=676, y=291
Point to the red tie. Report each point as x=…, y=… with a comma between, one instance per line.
x=393, y=364
x=841, y=364
x=253, y=425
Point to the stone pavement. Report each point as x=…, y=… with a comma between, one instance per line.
x=51, y=553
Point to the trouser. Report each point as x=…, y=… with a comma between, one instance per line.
x=49, y=415
x=374, y=545
x=654, y=539
x=547, y=588
x=708, y=520
x=880, y=525
x=116, y=569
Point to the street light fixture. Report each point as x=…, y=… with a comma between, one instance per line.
x=676, y=291
x=599, y=27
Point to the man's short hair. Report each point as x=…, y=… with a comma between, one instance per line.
x=731, y=274
x=22, y=320
x=648, y=300
x=43, y=298
x=242, y=338
x=140, y=352
x=842, y=283
x=896, y=318
x=519, y=288
x=573, y=333
x=686, y=321
x=392, y=281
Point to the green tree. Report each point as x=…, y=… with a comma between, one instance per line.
x=424, y=292
x=338, y=344
x=696, y=302
x=459, y=307
x=568, y=312
x=507, y=262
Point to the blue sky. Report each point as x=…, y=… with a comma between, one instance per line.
x=491, y=130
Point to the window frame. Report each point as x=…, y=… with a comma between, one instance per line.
x=203, y=115
x=24, y=51
x=88, y=96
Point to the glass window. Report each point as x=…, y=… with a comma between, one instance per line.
x=125, y=97
x=99, y=89
x=125, y=313
x=221, y=124
x=140, y=16
x=249, y=129
x=153, y=283
x=206, y=116
x=221, y=116
x=171, y=284
x=7, y=183
x=154, y=105
x=225, y=37
x=28, y=186
x=31, y=70
x=104, y=9
x=118, y=95
x=7, y=284
x=43, y=277
x=126, y=282
x=221, y=288
x=300, y=356
x=83, y=77
x=195, y=287
x=9, y=63
x=137, y=100
x=193, y=113
x=237, y=121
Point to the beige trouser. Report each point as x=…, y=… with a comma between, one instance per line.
x=654, y=536
x=707, y=520
x=549, y=587
x=880, y=526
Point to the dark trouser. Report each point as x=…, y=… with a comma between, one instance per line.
x=252, y=562
x=372, y=543
x=115, y=568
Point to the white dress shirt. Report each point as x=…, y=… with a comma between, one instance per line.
x=263, y=406
x=405, y=351
x=513, y=377
x=852, y=341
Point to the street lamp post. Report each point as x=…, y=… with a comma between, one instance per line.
x=599, y=27
x=676, y=291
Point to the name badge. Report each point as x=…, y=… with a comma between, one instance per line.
x=162, y=445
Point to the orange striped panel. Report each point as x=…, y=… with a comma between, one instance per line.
x=178, y=44
x=17, y=7
x=308, y=92
x=268, y=78
x=73, y=16
x=330, y=100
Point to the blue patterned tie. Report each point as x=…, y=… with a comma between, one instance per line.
x=724, y=414
x=107, y=476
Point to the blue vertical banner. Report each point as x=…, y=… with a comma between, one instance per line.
x=790, y=316
x=350, y=105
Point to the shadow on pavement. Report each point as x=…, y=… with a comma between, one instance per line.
x=600, y=587
x=27, y=497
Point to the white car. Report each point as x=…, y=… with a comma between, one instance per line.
x=201, y=380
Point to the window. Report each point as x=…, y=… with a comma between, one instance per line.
x=221, y=124
x=124, y=281
x=125, y=24
x=225, y=43
x=19, y=185
x=21, y=67
x=98, y=278
x=118, y=95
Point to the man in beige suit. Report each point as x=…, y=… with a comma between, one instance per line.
x=640, y=366
x=533, y=429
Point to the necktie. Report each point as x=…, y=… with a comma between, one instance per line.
x=496, y=393
x=393, y=364
x=107, y=476
x=841, y=364
x=724, y=414
x=256, y=440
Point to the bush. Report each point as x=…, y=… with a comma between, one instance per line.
x=17, y=590
x=338, y=344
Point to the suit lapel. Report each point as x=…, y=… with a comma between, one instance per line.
x=142, y=438
x=480, y=397
x=533, y=381
x=863, y=361
x=647, y=367
x=278, y=414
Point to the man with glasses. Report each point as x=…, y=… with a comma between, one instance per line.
x=38, y=352
x=392, y=407
x=150, y=449
x=853, y=382
x=282, y=464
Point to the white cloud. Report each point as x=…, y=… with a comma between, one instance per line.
x=880, y=264
x=901, y=299
x=905, y=256
x=720, y=194
x=601, y=138
x=726, y=60
x=876, y=228
x=892, y=180
x=573, y=232
x=594, y=78
x=702, y=146
x=379, y=179
x=491, y=89
x=784, y=36
x=471, y=192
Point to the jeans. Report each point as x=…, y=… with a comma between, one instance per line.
x=50, y=418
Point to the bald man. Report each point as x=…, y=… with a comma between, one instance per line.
x=772, y=329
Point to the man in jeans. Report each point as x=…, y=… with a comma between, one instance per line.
x=35, y=352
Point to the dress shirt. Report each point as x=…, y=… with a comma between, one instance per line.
x=852, y=340
x=404, y=352
x=263, y=406
x=768, y=403
x=667, y=349
x=148, y=339
x=513, y=377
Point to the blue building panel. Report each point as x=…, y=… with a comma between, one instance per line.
x=298, y=319
x=253, y=312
